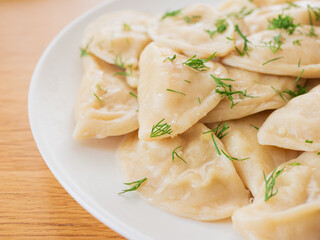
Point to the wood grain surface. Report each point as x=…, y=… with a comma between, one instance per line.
x=33, y=205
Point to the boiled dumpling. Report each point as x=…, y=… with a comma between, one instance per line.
x=294, y=212
x=106, y=105
x=259, y=19
x=241, y=142
x=173, y=96
x=199, y=184
x=290, y=59
x=197, y=29
x=263, y=89
x=119, y=38
x=296, y=125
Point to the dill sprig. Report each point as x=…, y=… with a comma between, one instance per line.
x=215, y=144
x=192, y=19
x=233, y=158
x=317, y=14
x=279, y=93
x=84, y=51
x=297, y=42
x=100, y=99
x=274, y=45
x=198, y=64
x=221, y=25
x=126, y=27
x=309, y=141
x=270, y=182
x=132, y=94
x=171, y=14
x=299, y=91
x=160, y=129
x=298, y=78
x=271, y=60
x=254, y=126
x=134, y=187
x=187, y=81
x=175, y=154
x=170, y=90
x=170, y=58
x=227, y=90
x=220, y=131
x=246, y=49
x=283, y=22
x=242, y=13
x=199, y=101
x=295, y=164
x=119, y=62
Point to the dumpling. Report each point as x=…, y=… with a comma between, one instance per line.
x=197, y=29
x=173, y=96
x=241, y=142
x=294, y=212
x=296, y=125
x=259, y=19
x=297, y=54
x=106, y=105
x=263, y=89
x=185, y=175
x=119, y=38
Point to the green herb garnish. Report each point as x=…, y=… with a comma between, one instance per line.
x=132, y=94
x=283, y=22
x=199, y=100
x=175, y=154
x=198, y=64
x=227, y=90
x=271, y=60
x=297, y=42
x=135, y=187
x=170, y=90
x=298, y=78
x=233, y=158
x=270, y=182
x=118, y=61
x=215, y=144
x=221, y=25
x=309, y=141
x=84, y=51
x=126, y=27
x=314, y=10
x=300, y=91
x=242, y=13
x=191, y=19
x=245, y=50
x=220, y=131
x=170, y=58
x=98, y=98
x=187, y=81
x=279, y=93
x=254, y=126
x=171, y=14
x=160, y=129
x=275, y=45
x=295, y=164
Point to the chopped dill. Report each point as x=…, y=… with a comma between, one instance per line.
x=317, y=14
x=299, y=63
x=220, y=131
x=295, y=164
x=309, y=141
x=270, y=182
x=170, y=90
x=233, y=158
x=230, y=39
x=246, y=49
x=170, y=58
x=318, y=153
x=215, y=144
x=221, y=25
x=171, y=14
x=300, y=91
x=283, y=22
x=192, y=19
x=199, y=100
x=119, y=62
x=175, y=154
x=242, y=13
x=297, y=42
x=298, y=78
x=135, y=187
x=275, y=45
x=227, y=90
x=198, y=64
x=98, y=98
x=84, y=51
x=160, y=129
x=279, y=93
x=271, y=60
x=187, y=81
x=126, y=27
x=132, y=94
x=254, y=126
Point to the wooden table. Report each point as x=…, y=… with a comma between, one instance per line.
x=33, y=205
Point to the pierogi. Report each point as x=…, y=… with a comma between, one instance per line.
x=196, y=185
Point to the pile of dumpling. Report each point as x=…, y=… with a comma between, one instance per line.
x=221, y=107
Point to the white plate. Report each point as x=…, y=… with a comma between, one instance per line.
x=88, y=170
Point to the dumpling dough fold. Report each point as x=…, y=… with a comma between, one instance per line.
x=204, y=188
x=174, y=92
x=104, y=106
x=296, y=125
x=294, y=212
x=186, y=31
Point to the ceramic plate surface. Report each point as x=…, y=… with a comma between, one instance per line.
x=88, y=170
